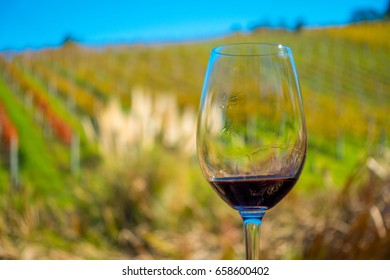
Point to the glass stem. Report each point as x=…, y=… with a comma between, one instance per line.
x=252, y=222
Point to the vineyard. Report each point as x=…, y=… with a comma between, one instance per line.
x=98, y=157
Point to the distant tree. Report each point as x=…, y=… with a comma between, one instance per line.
x=68, y=40
x=259, y=24
x=365, y=15
x=299, y=25
x=386, y=15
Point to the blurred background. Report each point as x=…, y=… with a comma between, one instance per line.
x=98, y=106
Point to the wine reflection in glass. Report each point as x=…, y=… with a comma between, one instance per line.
x=251, y=132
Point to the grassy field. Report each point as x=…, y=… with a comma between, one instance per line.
x=107, y=165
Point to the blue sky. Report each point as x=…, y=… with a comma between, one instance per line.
x=39, y=23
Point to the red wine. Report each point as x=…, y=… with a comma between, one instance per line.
x=250, y=192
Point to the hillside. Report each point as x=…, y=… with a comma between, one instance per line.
x=105, y=163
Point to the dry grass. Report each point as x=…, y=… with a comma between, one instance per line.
x=148, y=215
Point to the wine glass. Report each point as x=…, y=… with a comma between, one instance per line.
x=251, y=132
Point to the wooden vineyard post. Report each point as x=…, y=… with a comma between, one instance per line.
x=14, y=162
x=9, y=147
x=75, y=154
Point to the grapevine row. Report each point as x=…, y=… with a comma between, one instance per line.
x=84, y=100
x=60, y=128
x=8, y=131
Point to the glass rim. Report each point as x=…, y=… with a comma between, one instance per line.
x=258, y=49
